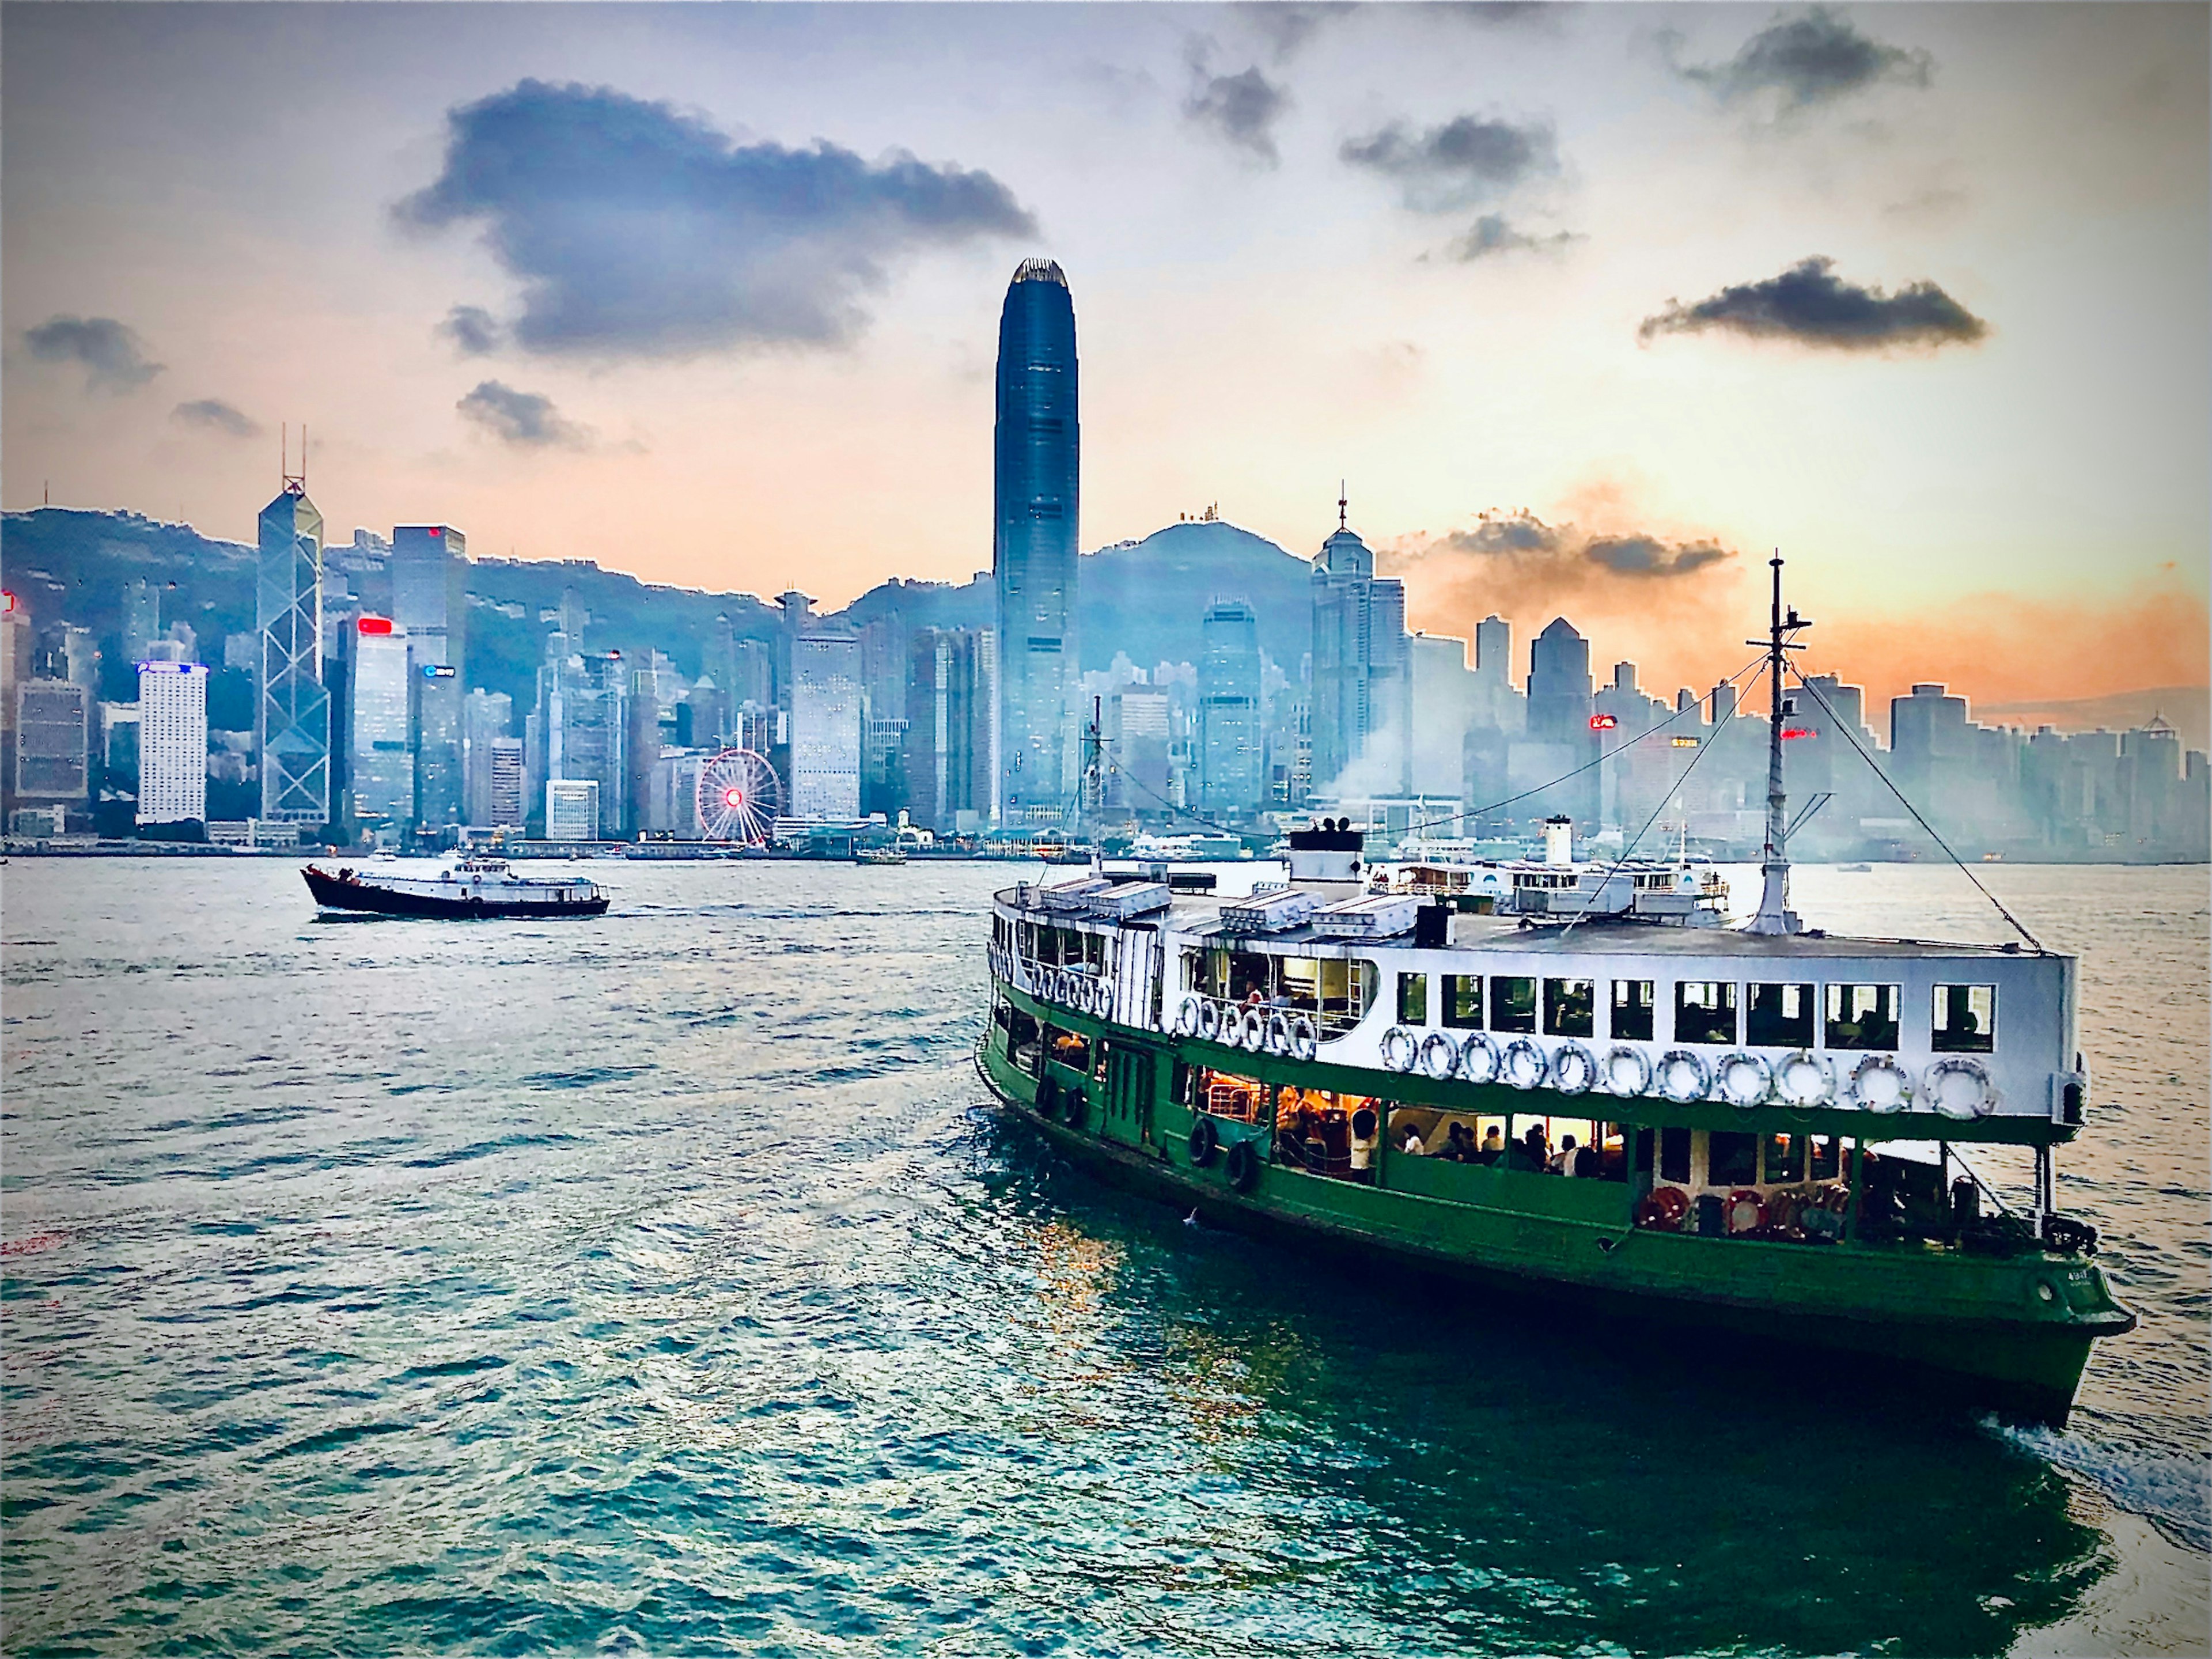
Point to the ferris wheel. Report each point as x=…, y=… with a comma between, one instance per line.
x=738, y=796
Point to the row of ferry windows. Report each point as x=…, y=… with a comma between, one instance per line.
x=1962, y=1019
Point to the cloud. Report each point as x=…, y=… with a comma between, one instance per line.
x=1242, y=108
x=637, y=231
x=1810, y=304
x=112, y=355
x=471, y=330
x=1468, y=159
x=526, y=420
x=1492, y=234
x=213, y=415
x=1287, y=25
x=1812, y=58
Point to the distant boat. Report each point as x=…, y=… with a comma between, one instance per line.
x=1856, y=869
x=469, y=890
x=879, y=855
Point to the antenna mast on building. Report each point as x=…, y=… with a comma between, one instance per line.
x=1343, y=502
x=296, y=484
x=1775, y=915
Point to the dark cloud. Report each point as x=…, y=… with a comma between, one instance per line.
x=639, y=231
x=1808, y=303
x=1493, y=234
x=1812, y=58
x=111, y=355
x=213, y=415
x=1571, y=557
x=470, y=330
x=1468, y=159
x=1647, y=555
x=526, y=419
x=1242, y=108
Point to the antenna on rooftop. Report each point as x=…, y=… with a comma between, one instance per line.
x=296, y=484
x=1343, y=502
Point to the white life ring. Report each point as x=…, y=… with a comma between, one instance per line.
x=1804, y=1078
x=1479, y=1058
x=1305, y=1041
x=1279, y=1032
x=1627, y=1072
x=1683, y=1076
x=1209, y=1019
x=1572, y=1056
x=1743, y=1079
x=1973, y=1095
x=1399, y=1049
x=1252, y=1034
x=1186, y=1019
x=1880, y=1085
x=1523, y=1065
x=1439, y=1055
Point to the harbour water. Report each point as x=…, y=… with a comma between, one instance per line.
x=666, y=1284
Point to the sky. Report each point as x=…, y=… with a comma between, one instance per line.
x=1589, y=308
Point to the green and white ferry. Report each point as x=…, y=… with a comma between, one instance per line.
x=1585, y=1087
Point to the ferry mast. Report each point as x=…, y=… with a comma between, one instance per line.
x=1775, y=915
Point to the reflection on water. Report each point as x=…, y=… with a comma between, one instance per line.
x=664, y=1283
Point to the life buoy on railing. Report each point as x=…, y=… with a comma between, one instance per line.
x=1242, y=1168
x=1204, y=1138
x=1573, y=1070
x=1305, y=1041
x=1743, y=1079
x=1745, y=1211
x=1804, y=1078
x=1186, y=1019
x=1662, y=1209
x=1682, y=1076
x=1960, y=1088
x=1400, y=1049
x=1479, y=1058
x=1439, y=1055
x=1209, y=1019
x=1279, y=1032
x=1523, y=1065
x=1880, y=1085
x=1627, y=1072
x=1252, y=1034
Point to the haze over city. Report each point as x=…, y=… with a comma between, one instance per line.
x=1591, y=307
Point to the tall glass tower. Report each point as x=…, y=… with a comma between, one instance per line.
x=1033, y=552
x=292, y=720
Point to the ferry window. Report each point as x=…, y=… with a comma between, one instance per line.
x=1863, y=1016
x=1827, y=1156
x=1569, y=1007
x=1632, y=1009
x=1704, y=1012
x=1067, y=1048
x=1731, y=1158
x=1412, y=999
x=1965, y=1019
x=1463, y=1000
x=1512, y=1004
x=1785, y=1158
x=1674, y=1155
x=1780, y=1016
x=1179, y=1084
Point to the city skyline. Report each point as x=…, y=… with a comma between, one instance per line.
x=1550, y=267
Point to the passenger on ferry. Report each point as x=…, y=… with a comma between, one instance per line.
x=1411, y=1146
x=1459, y=1148
x=1493, y=1147
x=1563, y=1161
x=1366, y=1129
x=1530, y=1152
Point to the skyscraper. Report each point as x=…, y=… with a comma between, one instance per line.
x=825, y=724
x=380, y=773
x=141, y=618
x=438, y=742
x=172, y=742
x=429, y=605
x=53, y=736
x=947, y=750
x=486, y=717
x=1361, y=708
x=292, y=714
x=1034, y=549
x=1230, y=750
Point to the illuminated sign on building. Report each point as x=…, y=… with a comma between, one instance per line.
x=1604, y=722
x=1685, y=743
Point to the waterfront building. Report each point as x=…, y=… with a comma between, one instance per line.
x=16, y=646
x=292, y=713
x=583, y=721
x=118, y=747
x=1230, y=751
x=1036, y=448
x=572, y=808
x=429, y=591
x=947, y=765
x=1140, y=729
x=379, y=756
x=826, y=724
x=438, y=746
x=172, y=743
x=1447, y=696
x=1361, y=682
x=485, y=716
x=53, y=741
x=504, y=796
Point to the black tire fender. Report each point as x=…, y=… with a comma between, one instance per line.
x=1204, y=1138
x=1243, y=1168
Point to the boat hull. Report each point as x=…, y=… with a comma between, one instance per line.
x=367, y=898
x=1918, y=1323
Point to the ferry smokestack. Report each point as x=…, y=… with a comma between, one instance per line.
x=1559, y=841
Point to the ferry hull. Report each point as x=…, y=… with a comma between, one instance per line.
x=365, y=897
x=1914, y=1324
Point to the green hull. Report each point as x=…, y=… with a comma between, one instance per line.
x=2011, y=1333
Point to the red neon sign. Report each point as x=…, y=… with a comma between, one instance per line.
x=10, y=598
x=374, y=624
x=1788, y=731
x=1604, y=722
